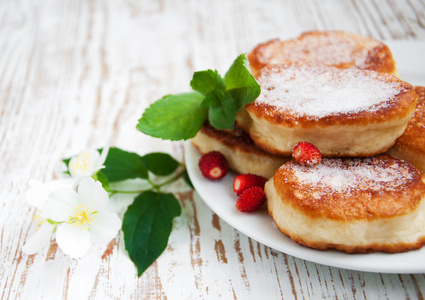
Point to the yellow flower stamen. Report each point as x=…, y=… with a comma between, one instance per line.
x=81, y=163
x=38, y=219
x=82, y=217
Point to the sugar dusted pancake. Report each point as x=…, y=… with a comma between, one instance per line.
x=333, y=48
x=240, y=151
x=343, y=112
x=352, y=204
x=410, y=146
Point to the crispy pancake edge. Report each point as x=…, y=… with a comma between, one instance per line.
x=379, y=58
x=344, y=207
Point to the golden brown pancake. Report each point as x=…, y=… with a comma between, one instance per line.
x=410, y=146
x=343, y=112
x=351, y=204
x=240, y=151
x=333, y=48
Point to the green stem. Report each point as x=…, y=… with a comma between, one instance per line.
x=50, y=221
x=153, y=185
x=178, y=175
x=113, y=192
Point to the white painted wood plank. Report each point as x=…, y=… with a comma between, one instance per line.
x=73, y=71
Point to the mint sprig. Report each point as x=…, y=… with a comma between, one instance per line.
x=179, y=117
x=148, y=221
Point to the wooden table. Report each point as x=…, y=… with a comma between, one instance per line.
x=72, y=71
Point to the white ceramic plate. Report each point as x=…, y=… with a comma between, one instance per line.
x=219, y=196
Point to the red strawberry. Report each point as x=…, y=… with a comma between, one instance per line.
x=251, y=199
x=213, y=165
x=245, y=181
x=306, y=154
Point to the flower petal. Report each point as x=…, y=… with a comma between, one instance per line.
x=37, y=193
x=104, y=227
x=40, y=240
x=84, y=164
x=60, y=204
x=56, y=184
x=92, y=195
x=103, y=155
x=74, y=241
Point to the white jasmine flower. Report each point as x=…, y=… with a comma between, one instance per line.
x=82, y=217
x=37, y=195
x=87, y=163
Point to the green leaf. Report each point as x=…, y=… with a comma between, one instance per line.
x=174, y=117
x=223, y=116
x=210, y=100
x=147, y=225
x=99, y=176
x=160, y=164
x=121, y=165
x=103, y=180
x=207, y=81
x=240, y=83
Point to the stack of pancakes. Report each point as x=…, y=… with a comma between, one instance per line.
x=340, y=92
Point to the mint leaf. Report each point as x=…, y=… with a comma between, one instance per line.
x=210, y=100
x=121, y=165
x=240, y=83
x=223, y=116
x=240, y=89
x=147, y=225
x=174, y=117
x=207, y=81
x=160, y=164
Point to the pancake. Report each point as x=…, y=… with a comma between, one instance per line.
x=240, y=151
x=356, y=205
x=410, y=146
x=332, y=48
x=343, y=112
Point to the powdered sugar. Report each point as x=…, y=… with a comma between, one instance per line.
x=343, y=175
x=320, y=91
x=332, y=49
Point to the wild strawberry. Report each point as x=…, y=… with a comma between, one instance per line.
x=306, y=154
x=251, y=199
x=245, y=181
x=213, y=165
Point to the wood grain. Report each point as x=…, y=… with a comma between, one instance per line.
x=73, y=72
